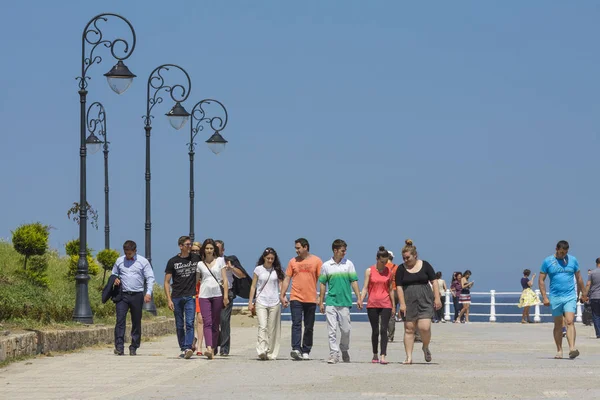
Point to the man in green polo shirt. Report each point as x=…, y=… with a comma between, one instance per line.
x=340, y=275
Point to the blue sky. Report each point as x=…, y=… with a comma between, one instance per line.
x=470, y=127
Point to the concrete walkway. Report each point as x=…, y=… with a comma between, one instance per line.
x=474, y=361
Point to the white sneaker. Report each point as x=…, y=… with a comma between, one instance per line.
x=295, y=354
x=333, y=360
x=305, y=356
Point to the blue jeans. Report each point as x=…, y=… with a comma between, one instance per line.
x=185, y=306
x=301, y=311
x=595, y=303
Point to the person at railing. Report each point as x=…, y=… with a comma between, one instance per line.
x=304, y=271
x=338, y=278
x=528, y=296
x=415, y=280
x=465, y=296
x=563, y=270
x=439, y=313
x=268, y=277
x=380, y=302
x=455, y=288
x=593, y=290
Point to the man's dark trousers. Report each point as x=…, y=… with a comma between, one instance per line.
x=595, y=303
x=299, y=312
x=132, y=302
x=225, y=332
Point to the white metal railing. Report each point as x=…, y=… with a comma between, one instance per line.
x=537, y=317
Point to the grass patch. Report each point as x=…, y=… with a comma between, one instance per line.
x=27, y=306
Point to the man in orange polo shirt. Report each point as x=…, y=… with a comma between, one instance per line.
x=304, y=271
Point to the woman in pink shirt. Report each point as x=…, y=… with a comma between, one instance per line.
x=378, y=286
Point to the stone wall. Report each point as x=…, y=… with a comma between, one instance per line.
x=47, y=341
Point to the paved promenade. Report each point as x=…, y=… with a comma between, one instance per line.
x=475, y=361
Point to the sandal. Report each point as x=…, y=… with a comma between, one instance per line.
x=427, y=354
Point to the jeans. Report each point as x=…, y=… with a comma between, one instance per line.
x=132, y=303
x=299, y=312
x=595, y=303
x=185, y=310
x=211, y=316
x=338, y=316
x=225, y=335
x=457, y=306
x=378, y=329
x=439, y=314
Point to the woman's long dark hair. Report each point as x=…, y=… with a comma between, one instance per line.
x=276, y=262
x=207, y=242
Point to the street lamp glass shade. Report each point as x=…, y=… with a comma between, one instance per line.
x=216, y=143
x=119, y=78
x=93, y=144
x=178, y=116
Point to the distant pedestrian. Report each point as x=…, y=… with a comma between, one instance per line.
x=338, y=278
x=214, y=293
x=268, y=278
x=131, y=271
x=563, y=270
x=465, y=296
x=380, y=302
x=455, y=289
x=528, y=296
x=182, y=269
x=199, y=328
x=303, y=270
x=439, y=313
x=593, y=291
x=393, y=268
x=225, y=327
x=419, y=297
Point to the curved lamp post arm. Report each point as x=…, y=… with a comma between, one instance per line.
x=156, y=83
x=200, y=119
x=93, y=36
x=97, y=124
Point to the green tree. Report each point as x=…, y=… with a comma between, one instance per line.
x=107, y=259
x=31, y=240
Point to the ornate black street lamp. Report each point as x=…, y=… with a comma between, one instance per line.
x=119, y=79
x=216, y=142
x=95, y=125
x=177, y=116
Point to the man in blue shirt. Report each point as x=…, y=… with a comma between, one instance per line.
x=561, y=268
x=132, y=270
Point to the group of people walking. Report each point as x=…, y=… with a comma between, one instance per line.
x=199, y=283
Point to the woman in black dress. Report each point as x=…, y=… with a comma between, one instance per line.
x=419, y=295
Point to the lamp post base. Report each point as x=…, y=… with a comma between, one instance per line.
x=83, y=310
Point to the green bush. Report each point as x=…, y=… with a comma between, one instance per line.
x=158, y=295
x=37, y=272
x=93, y=267
x=30, y=240
x=72, y=250
x=107, y=259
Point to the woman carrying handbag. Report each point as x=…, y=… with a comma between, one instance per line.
x=268, y=276
x=213, y=293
